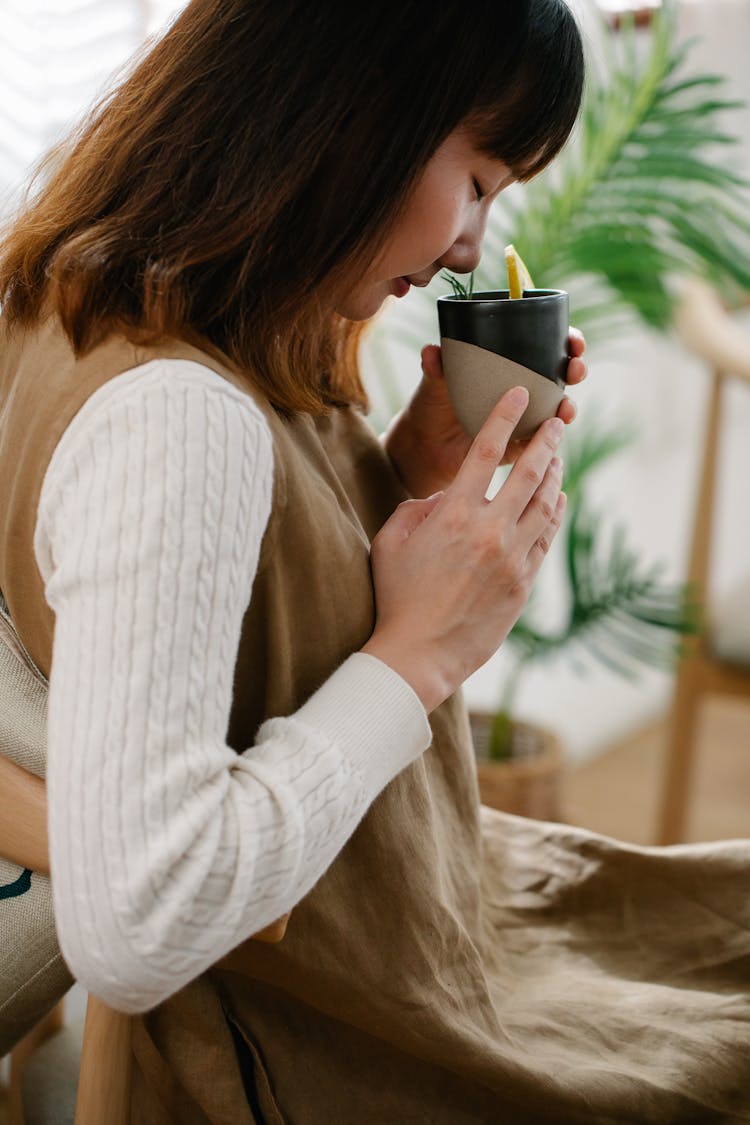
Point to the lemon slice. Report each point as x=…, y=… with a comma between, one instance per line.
x=519, y=277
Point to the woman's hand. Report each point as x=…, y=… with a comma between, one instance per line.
x=453, y=572
x=426, y=442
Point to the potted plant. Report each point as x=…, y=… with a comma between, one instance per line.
x=637, y=199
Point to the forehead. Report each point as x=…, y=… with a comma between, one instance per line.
x=460, y=150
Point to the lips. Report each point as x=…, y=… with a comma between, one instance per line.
x=419, y=282
x=401, y=286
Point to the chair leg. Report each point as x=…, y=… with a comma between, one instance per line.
x=680, y=752
x=46, y=1027
x=104, y=1080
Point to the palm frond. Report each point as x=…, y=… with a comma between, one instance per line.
x=590, y=449
x=646, y=190
x=621, y=612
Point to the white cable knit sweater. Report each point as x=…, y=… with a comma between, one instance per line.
x=168, y=849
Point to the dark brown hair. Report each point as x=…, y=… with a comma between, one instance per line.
x=256, y=157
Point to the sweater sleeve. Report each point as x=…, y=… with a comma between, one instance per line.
x=167, y=848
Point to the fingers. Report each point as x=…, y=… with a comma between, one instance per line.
x=407, y=518
x=540, y=510
x=542, y=544
x=528, y=472
x=567, y=411
x=433, y=388
x=432, y=366
x=576, y=342
x=575, y=372
x=488, y=448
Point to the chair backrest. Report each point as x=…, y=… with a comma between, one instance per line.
x=708, y=330
x=33, y=975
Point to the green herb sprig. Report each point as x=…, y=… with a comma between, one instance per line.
x=461, y=291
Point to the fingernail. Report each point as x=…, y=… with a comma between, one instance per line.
x=556, y=427
x=519, y=396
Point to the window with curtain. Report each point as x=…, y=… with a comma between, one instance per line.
x=56, y=58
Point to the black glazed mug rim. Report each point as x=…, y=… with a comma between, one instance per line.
x=495, y=296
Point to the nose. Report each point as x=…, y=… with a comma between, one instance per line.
x=465, y=253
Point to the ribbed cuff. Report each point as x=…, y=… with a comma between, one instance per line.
x=372, y=715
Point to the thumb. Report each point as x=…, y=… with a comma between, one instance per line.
x=432, y=363
x=409, y=515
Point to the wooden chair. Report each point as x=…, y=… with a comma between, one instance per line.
x=715, y=662
x=102, y=1075
x=103, y=1078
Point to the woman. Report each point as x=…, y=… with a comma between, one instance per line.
x=235, y=675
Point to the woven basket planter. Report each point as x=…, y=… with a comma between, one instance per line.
x=529, y=783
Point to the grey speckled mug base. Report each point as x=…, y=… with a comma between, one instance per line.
x=478, y=378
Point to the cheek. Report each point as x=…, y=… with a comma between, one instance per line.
x=427, y=230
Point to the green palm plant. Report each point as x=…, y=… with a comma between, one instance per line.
x=620, y=612
x=638, y=198
x=643, y=193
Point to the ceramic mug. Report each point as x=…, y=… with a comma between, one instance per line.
x=491, y=343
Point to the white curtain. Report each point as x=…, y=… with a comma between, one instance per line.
x=56, y=57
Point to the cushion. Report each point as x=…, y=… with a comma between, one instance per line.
x=33, y=975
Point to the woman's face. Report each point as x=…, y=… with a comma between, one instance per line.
x=442, y=227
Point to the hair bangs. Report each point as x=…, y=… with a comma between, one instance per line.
x=525, y=117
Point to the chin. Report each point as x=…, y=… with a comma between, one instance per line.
x=364, y=305
x=358, y=311
x=353, y=314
